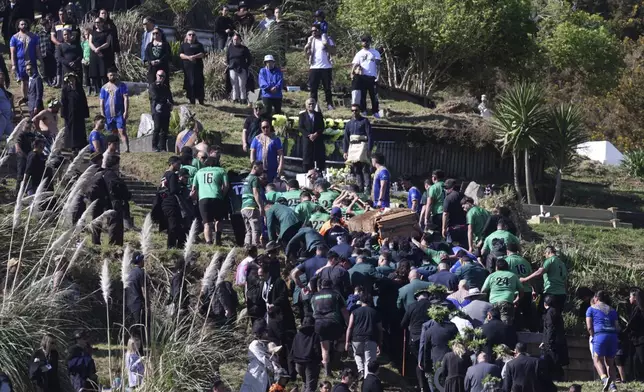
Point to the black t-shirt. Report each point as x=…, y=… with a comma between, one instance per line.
x=327, y=305
x=365, y=325
x=134, y=291
x=25, y=140
x=452, y=205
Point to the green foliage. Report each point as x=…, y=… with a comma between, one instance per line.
x=520, y=117
x=633, y=162
x=214, y=70
x=424, y=40
x=438, y=313
x=583, y=47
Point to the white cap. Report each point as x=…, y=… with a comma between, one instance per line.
x=268, y=57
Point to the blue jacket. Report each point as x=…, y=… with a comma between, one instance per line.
x=269, y=79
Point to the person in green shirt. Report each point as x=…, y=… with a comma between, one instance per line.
x=186, y=163
x=555, y=275
x=211, y=185
x=198, y=161
x=437, y=256
x=505, y=290
x=271, y=193
x=305, y=209
x=435, y=199
x=522, y=268
x=292, y=194
x=319, y=217
x=326, y=197
x=253, y=205
x=282, y=220
x=475, y=217
x=501, y=233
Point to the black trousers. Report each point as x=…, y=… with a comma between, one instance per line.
x=523, y=318
x=368, y=85
x=362, y=173
x=160, y=132
x=313, y=154
x=310, y=374
x=272, y=106
x=412, y=359
x=324, y=76
x=220, y=42
x=239, y=229
x=115, y=228
x=96, y=233
x=176, y=229
x=21, y=163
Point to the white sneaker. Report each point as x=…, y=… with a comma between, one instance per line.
x=376, y=115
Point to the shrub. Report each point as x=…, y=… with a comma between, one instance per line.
x=633, y=162
x=508, y=198
x=214, y=69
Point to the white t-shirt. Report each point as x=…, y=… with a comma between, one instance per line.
x=320, y=57
x=366, y=59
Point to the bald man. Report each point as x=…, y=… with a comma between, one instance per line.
x=406, y=293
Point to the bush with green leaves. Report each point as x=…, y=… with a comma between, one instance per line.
x=633, y=162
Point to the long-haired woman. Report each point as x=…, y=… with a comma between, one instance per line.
x=192, y=53
x=43, y=367
x=157, y=55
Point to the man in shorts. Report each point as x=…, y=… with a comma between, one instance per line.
x=330, y=314
x=211, y=184
x=114, y=103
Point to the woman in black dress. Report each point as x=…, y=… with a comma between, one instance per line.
x=74, y=110
x=102, y=57
x=455, y=364
x=157, y=55
x=111, y=28
x=70, y=55
x=192, y=53
x=43, y=368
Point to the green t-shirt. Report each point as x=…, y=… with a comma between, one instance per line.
x=292, y=197
x=435, y=255
x=197, y=163
x=304, y=210
x=521, y=267
x=477, y=217
x=506, y=236
x=209, y=181
x=437, y=195
x=191, y=174
x=554, y=278
x=327, y=198
x=248, y=199
x=273, y=196
x=318, y=219
x=502, y=286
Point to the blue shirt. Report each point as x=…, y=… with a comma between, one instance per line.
x=269, y=78
x=116, y=94
x=310, y=266
x=381, y=175
x=603, y=319
x=96, y=135
x=267, y=154
x=413, y=194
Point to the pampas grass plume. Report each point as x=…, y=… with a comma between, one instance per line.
x=35, y=204
x=17, y=131
x=211, y=272
x=82, y=221
x=105, y=280
x=192, y=236
x=18, y=207
x=56, y=147
x=98, y=222
x=84, y=184
x=77, y=252
x=227, y=266
x=4, y=160
x=125, y=265
x=62, y=239
x=146, y=235
x=76, y=163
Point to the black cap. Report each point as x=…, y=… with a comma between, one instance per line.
x=365, y=38
x=449, y=183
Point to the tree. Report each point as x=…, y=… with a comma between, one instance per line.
x=519, y=123
x=586, y=50
x=565, y=132
x=424, y=40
